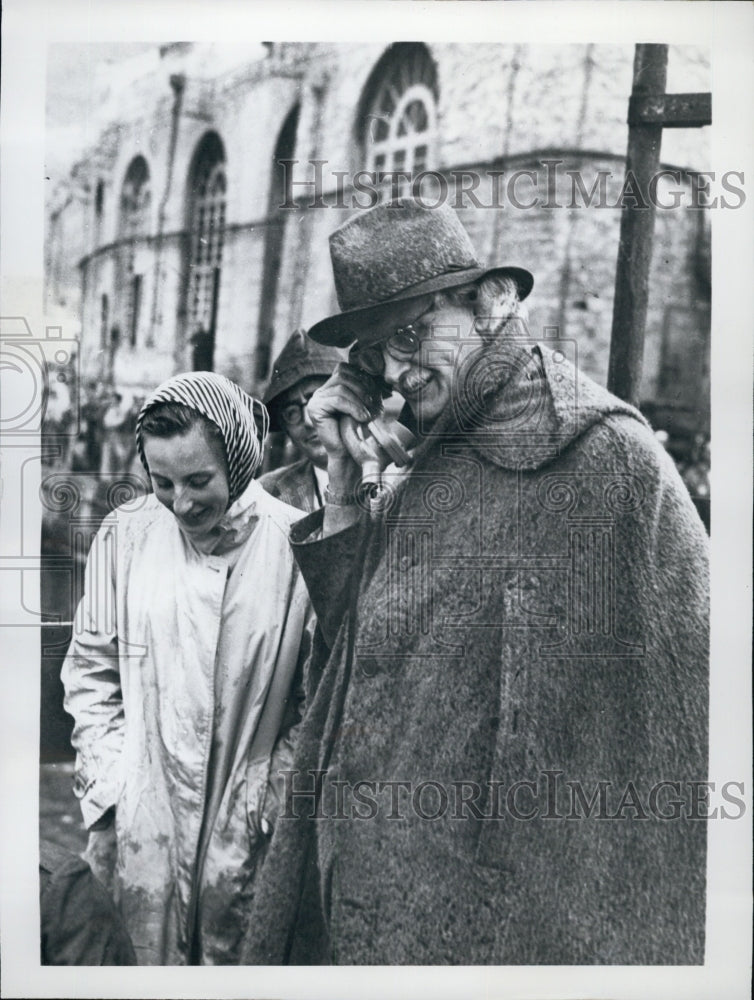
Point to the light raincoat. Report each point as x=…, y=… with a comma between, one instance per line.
x=181, y=678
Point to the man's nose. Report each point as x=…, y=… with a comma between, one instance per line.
x=305, y=414
x=395, y=367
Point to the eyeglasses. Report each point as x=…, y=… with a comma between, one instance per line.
x=293, y=413
x=401, y=345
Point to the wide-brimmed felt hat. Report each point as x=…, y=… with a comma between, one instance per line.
x=399, y=250
x=300, y=358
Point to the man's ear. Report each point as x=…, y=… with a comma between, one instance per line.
x=495, y=308
x=492, y=311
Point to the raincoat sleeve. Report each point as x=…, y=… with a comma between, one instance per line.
x=91, y=677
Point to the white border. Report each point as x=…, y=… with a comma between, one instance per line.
x=28, y=27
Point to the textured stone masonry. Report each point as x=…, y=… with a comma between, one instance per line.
x=502, y=106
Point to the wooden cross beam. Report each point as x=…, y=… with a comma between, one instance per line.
x=650, y=110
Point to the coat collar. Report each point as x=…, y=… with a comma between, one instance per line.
x=522, y=403
x=235, y=526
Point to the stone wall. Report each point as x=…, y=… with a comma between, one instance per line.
x=502, y=108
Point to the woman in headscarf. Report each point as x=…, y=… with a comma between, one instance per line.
x=183, y=676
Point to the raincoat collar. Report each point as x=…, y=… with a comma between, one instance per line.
x=235, y=526
x=521, y=403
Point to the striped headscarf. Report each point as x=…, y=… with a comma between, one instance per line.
x=242, y=420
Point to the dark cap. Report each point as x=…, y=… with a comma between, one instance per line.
x=301, y=358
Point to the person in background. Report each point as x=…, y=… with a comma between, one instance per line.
x=183, y=676
x=299, y=370
x=92, y=411
x=114, y=446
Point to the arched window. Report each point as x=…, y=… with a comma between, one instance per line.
x=133, y=225
x=206, y=225
x=134, y=198
x=398, y=112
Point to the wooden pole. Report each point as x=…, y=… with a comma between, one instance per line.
x=636, y=233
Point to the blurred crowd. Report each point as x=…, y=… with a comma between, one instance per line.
x=691, y=455
x=95, y=436
x=89, y=466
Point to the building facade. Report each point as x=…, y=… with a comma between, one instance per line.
x=194, y=235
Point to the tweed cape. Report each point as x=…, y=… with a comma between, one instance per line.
x=483, y=653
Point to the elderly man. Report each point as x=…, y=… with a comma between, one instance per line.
x=300, y=368
x=506, y=735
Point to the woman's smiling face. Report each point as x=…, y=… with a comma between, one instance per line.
x=189, y=476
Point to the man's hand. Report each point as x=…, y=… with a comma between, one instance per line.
x=348, y=392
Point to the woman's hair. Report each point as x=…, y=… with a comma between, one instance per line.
x=493, y=300
x=165, y=420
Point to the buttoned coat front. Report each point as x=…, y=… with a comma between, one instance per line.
x=512, y=666
x=180, y=680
